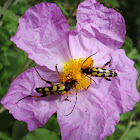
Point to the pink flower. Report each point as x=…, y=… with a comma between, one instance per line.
x=45, y=35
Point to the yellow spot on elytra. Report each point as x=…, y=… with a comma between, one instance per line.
x=72, y=71
x=61, y=88
x=40, y=90
x=54, y=88
x=45, y=105
x=46, y=89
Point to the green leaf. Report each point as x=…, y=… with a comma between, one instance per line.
x=134, y=54
x=4, y=33
x=4, y=136
x=62, y=9
x=52, y=125
x=10, y=25
x=128, y=45
x=1, y=66
x=133, y=133
x=72, y=28
x=3, y=91
x=125, y=116
x=41, y=134
x=137, y=108
x=9, y=14
x=112, y=3
x=19, y=130
x=121, y=127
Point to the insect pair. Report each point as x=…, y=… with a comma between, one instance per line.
x=66, y=87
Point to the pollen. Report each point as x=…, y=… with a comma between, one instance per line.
x=72, y=71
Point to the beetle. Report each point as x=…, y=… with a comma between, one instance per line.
x=55, y=89
x=95, y=71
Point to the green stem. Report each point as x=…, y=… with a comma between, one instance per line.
x=129, y=126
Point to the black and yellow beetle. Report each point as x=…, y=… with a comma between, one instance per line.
x=95, y=71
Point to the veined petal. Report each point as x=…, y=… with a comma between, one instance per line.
x=97, y=110
x=91, y=118
x=43, y=34
x=34, y=111
x=123, y=88
x=98, y=28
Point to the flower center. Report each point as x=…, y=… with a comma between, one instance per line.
x=72, y=71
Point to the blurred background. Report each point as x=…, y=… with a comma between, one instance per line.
x=13, y=61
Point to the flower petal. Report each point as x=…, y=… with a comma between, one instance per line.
x=34, y=111
x=97, y=110
x=98, y=28
x=91, y=118
x=123, y=89
x=43, y=34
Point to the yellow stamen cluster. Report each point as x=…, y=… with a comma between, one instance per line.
x=72, y=71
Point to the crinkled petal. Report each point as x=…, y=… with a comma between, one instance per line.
x=98, y=109
x=34, y=111
x=92, y=119
x=43, y=34
x=98, y=28
x=123, y=89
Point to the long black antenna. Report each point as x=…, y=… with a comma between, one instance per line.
x=38, y=73
x=49, y=82
x=73, y=106
x=23, y=98
x=31, y=95
x=88, y=58
x=28, y=96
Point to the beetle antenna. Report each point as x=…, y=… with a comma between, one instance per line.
x=23, y=98
x=88, y=58
x=38, y=72
x=28, y=96
x=73, y=106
